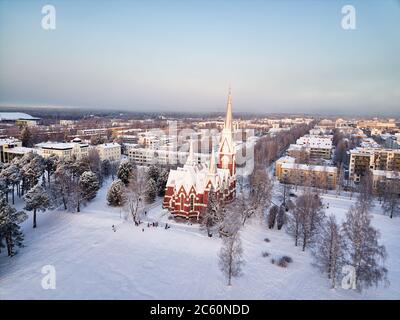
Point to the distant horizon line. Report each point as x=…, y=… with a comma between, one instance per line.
x=197, y=111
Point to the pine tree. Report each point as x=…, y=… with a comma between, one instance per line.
x=153, y=172
x=36, y=199
x=124, y=172
x=151, y=191
x=116, y=193
x=32, y=168
x=366, y=255
x=273, y=212
x=87, y=188
x=50, y=164
x=106, y=168
x=162, y=181
x=281, y=217
x=10, y=231
x=26, y=137
x=211, y=216
x=329, y=249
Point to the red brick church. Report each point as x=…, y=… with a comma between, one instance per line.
x=187, y=188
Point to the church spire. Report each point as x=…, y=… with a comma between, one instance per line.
x=190, y=159
x=213, y=167
x=228, y=116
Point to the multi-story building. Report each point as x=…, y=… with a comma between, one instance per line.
x=109, y=151
x=74, y=148
x=288, y=171
x=11, y=148
x=364, y=159
x=312, y=147
x=18, y=118
x=380, y=179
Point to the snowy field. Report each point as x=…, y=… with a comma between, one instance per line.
x=93, y=262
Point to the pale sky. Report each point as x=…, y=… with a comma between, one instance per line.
x=278, y=56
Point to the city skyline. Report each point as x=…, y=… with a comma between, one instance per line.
x=289, y=56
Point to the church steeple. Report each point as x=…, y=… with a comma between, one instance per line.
x=190, y=159
x=226, y=156
x=213, y=167
x=228, y=116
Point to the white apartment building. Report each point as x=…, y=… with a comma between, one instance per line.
x=74, y=148
x=318, y=146
x=109, y=151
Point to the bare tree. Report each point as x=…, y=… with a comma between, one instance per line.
x=230, y=255
x=306, y=218
x=391, y=197
x=365, y=254
x=136, y=194
x=329, y=249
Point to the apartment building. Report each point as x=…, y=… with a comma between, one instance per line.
x=364, y=159
x=74, y=148
x=317, y=146
x=109, y=151
x=288, y=171
x=11, y=148
x=380, y=178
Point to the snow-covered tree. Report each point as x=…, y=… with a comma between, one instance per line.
x=391, y=198
x=62, y=188
x=32, y=168
x=26, y=137
x=114, y=165
x=10, y=231
x=281, y=217
x=311, y=216
x=151, y=191
x=36, y=199
x=230, y=255
x=153, y=172
x=329, y=249
x=293, y=225
x=116, y=193
x=273, y=212
x=365, y=196
x=86, y=190
x=162, y=181
x=365, y=253
x=212, y=215
x=136, y=194
x=50, y=164
x=11, y=176
x=124, y=172
x=105, y=168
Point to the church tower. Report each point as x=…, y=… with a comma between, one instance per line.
x=226, y=152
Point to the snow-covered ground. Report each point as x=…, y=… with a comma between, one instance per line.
x=94, y=262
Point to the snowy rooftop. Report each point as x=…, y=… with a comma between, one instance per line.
x=309, y=167
x=387, y=174
x=8, y=141
x=316, y=141
x=21, y=150
x=59, y=145
x=16, y=116
x=108, y=145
